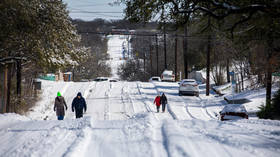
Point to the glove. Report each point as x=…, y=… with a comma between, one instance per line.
x=72, y=110
x=66, y=108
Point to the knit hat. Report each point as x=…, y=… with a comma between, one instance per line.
x=58, y=94
x=79, y=94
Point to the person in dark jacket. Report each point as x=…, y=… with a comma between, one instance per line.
x=163, y=101
x=59, y=104
x=78, y=105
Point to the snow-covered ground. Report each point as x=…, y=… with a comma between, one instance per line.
x=121, y=120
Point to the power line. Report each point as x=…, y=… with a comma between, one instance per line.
x=161, y=34
x=94, y=12
x=140, y=34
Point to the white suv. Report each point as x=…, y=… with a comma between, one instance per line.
x=167, y=75
x=154, y=78
x=188, y=86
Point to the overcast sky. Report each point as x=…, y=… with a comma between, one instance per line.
x=91, y=9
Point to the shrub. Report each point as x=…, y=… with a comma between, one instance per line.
x=276, y=104
x=271, y=110
x=265, y=111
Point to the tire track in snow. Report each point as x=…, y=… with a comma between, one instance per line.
x=133, y=96
x=187, y=110
x=98, y=101
x=107, y=101
x=196, y=111
x=131, y=102
x=204, y=108
x=145, y=104
x=165, y=139
x=125, y=93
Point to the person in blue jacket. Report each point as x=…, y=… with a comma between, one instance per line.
x=78, y=105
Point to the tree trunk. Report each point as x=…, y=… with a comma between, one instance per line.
x=128, y=47
x=151, y=60
x=6, y=70
x=18, y=83
x=164, y=40
x=185, y=45
x=144, y=63
x=242, y=78
x=228, y=76
x=268, y=82
x=9, y=81
x=157, y=54
x=269, y=67
x=175, y=63
x=208, y=65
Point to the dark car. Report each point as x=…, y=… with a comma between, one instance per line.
x=99, y=79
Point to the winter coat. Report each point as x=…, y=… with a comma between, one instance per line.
x=163, y=99
x=79, y=104
x=157, y=101
x=59, y=104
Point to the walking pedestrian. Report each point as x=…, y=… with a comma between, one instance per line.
x=163, y=101
x=157, y=102
x=78, y=105
x=59, y=104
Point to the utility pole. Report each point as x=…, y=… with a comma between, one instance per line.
x=164, y=40
x=175, y=51
x=185, y=46
x=157, y=53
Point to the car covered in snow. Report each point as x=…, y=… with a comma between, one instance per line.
x=154, y=78
x=233, y=112
x=167, y=75
x=188, y=87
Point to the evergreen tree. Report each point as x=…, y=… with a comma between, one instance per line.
x=39, y=30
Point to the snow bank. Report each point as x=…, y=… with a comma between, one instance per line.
x=11, y=117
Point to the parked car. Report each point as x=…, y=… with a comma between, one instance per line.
x=188, y=87
x=84, y=80
x=167, y=75
x=98, y=79
x=154, y=78
x=113, y=80
x=233, y=112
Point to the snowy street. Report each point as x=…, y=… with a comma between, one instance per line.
x=121, y=121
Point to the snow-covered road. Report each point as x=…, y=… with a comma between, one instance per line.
x=121, y=121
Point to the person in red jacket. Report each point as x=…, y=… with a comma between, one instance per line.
x=157, y=102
